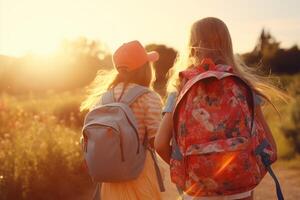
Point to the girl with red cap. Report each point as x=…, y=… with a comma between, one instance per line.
x=132, y=64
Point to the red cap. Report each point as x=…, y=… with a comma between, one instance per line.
x=133, y=55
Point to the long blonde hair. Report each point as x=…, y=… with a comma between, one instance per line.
x=210, y=37
x=106, y=80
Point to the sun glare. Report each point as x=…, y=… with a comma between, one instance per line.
x=225, y=164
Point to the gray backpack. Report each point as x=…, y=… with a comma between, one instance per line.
x=113, y=151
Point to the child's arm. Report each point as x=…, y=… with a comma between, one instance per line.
x=266, y=128
x=163, y=137
x=152, y=105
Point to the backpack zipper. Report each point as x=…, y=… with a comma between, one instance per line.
x=121, y=148
x=136, y=133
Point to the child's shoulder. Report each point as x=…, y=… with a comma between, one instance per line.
x=152, y=97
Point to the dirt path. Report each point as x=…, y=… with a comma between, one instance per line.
x=290, y=183
x=289, y=178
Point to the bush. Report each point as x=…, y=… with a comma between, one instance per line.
x=40, y=156
x=284, y=127
x=293, y=132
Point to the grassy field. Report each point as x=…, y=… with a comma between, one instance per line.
x=40, y=154
x=41, y=157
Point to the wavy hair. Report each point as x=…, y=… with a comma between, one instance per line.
x=210, y=38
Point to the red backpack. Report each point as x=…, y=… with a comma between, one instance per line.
x=218, y=146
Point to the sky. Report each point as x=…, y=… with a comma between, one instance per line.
x=39, y=26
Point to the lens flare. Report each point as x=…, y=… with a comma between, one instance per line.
x=224, y=164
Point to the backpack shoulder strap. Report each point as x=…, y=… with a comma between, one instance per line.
x=155, y=161
x=265, y=158
x=96, y=195
x=170, y=103
x=107, y=97
x=133, y=93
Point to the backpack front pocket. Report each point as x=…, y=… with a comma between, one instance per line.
x=221, y=167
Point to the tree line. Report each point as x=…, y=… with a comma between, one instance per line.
x=76, y=63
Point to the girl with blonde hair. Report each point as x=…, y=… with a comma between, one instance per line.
x=209, y=50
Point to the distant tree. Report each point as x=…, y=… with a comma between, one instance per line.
x=166, y=61
x=74, y=65
x=268, y=54
x=267, y=45
x=83, y=46
x=85, y=57
x=286, y=61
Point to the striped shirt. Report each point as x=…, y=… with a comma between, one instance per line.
x=147, y=110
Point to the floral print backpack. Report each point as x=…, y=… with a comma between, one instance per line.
x=218, y=146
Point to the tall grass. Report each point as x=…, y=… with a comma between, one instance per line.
x=40, y=154
x=286, y=122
